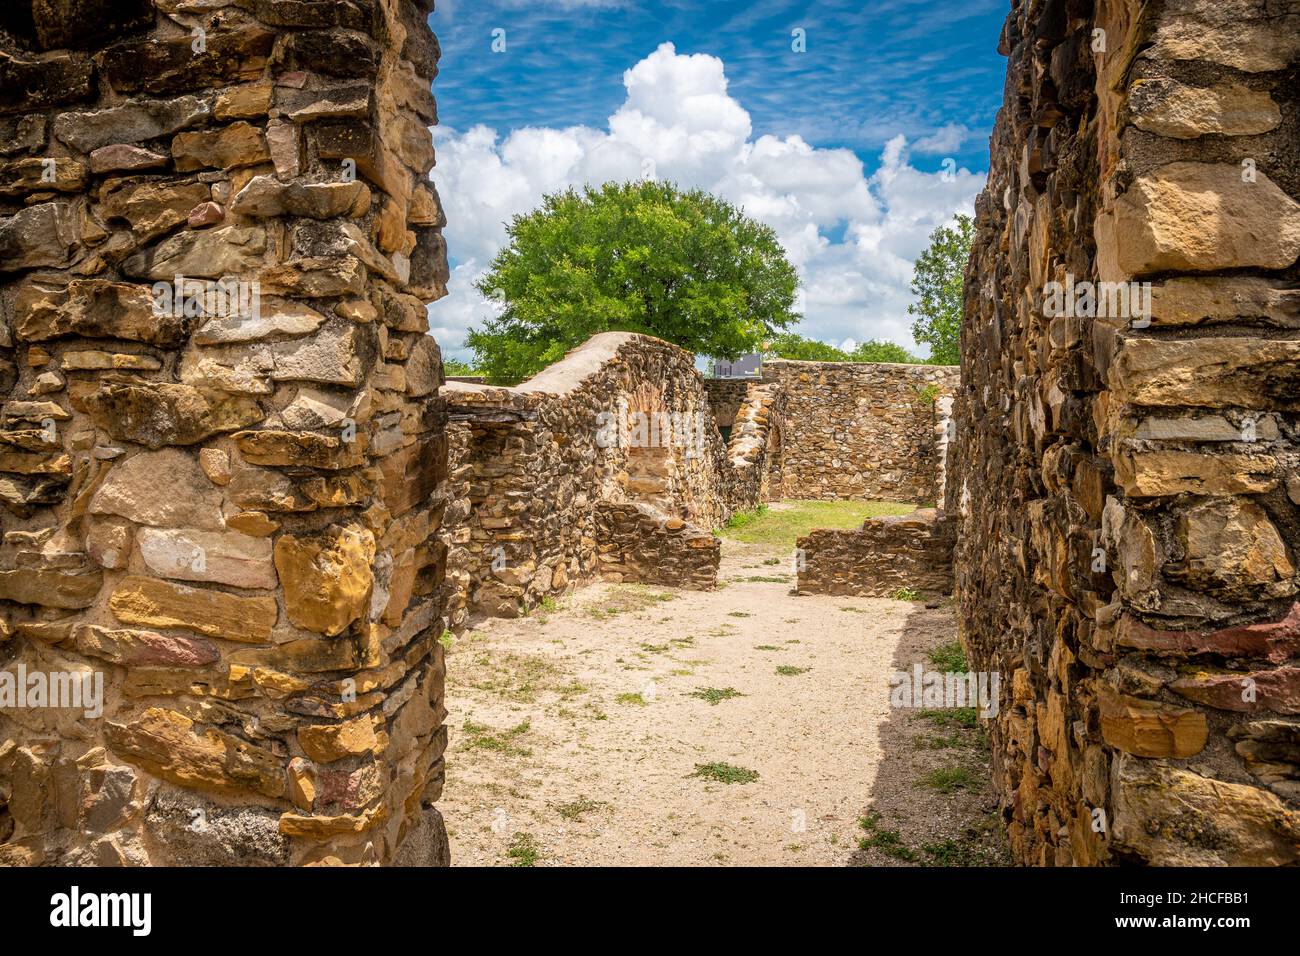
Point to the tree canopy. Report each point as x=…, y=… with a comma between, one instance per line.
x=937, y=285
x=646, y=257
x=791, y=345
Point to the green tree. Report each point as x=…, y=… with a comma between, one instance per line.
x=792, y=345
x=937, y=285
x=454, y=366
x=636, y=257
x=877, y=351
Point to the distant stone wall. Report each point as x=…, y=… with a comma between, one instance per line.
x=896, y=552
x=640, y=544
x=623, y=419
x=1127, y=490
x=860, y=430
x=225, y=513
x=726, y=395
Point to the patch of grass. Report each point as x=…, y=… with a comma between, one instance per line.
x=743, y=519
x=738, y=614
x=524, y=850
x=786, y=670
x=655, y=648
x=939, y=742
x=888, y=842
x=576, y=808
x=724, y=773
x=761, y=579
x=954, y=717
x=783, y=523
x=715, y=695
x=548, y=604
x=771, y=561
x=951, y=779
x=447, y=640
x=483, y=737
x=767, y=647
x=627, y=598
x=949, y=657
x=632, y=699
x=854, y=610
x=513, y=676
x=905, y=594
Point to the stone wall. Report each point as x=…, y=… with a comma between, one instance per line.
x=860, y=430
x=623, y=419
x=888, y=554
x=220, y=493
x=1127, y=482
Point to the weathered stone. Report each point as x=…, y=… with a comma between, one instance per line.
x=41, y=175
x=1174, y=817
x=142, y=489
x=157, y=414
x=50, y=588
x=299, y=449
x=239, y=144
x=168, y=745
x=95, y=308
x=1199, y=217
x=96, y=360
x=275, y=317
x=151, y=207
x=150, y=603
x=208, y=253
x=1212, y=372
x=198, y=832
x=1248, y=692
x=327, y=577
x=1148, y=728
x=1231, y=548
x=244, y=102
x=220, y=557
x=144, y=648
x=40, y=235
x=1274, y=641
x=1153, y=473
x=266, y=196
x=1168, y=108
x=358, y=737
x=130, y=123
x=1243, y=34
x=121, y=157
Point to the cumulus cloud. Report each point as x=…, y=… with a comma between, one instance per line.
x=852, y=235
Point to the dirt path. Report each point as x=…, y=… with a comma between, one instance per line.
x=578, y=733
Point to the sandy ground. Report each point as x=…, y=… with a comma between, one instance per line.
x=576, y=736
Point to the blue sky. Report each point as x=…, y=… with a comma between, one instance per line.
x=841, y=148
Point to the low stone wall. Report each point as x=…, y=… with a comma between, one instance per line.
x=640, y=544
x=860, y=430
x=885, y=555
x=726, y=395
x=623, y=419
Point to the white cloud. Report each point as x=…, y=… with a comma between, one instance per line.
x=853, y=237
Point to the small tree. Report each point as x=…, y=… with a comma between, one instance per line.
x=937, y=285
x=877, y=351
x=792, y=345
x=637, y=257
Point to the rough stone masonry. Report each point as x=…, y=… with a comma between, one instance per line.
x=221, y=445
x=1126, y=478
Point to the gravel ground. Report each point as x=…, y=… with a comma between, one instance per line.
x=578, y=733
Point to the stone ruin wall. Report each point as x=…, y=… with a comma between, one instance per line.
x=860, y=429
x=886, y=555
x=542, y=500
x=231, y=517
x=1128, y=497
